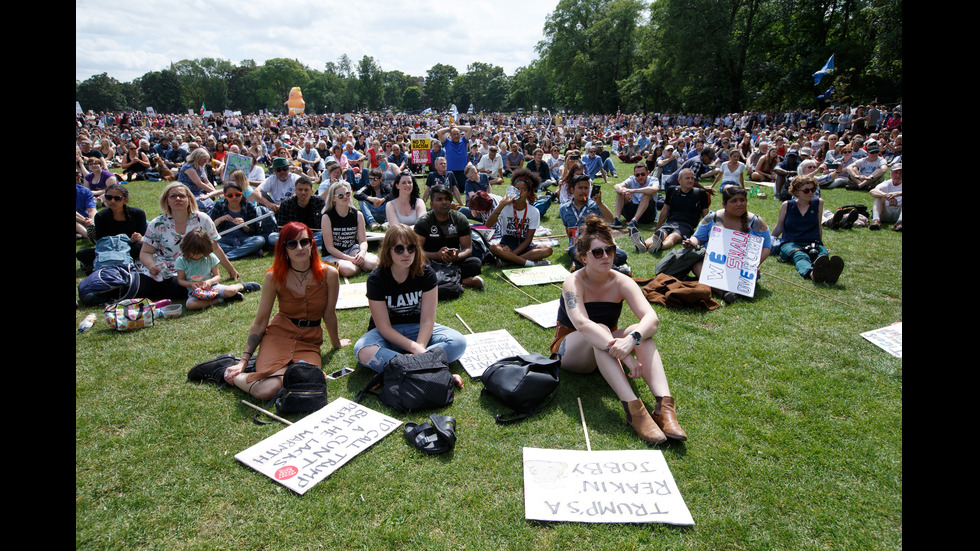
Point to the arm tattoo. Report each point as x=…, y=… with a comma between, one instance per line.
x=570, y=300
x=253, y=342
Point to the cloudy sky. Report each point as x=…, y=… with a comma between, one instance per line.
x=128, y=40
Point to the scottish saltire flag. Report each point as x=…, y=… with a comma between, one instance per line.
x=825, y=70
x=827, y=95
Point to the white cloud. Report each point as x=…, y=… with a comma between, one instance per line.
x=128, y=40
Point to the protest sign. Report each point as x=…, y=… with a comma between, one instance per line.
x=421, y=144
x=234, y=161
x=537, y=275
x=352, y=295
x=304, y=453
x=544, y=314
x=888, y=338
x=731, y=261
x=482, y=349
x=601, y=486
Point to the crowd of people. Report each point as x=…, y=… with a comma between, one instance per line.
x=310, y=188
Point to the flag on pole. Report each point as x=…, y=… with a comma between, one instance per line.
x=825, y=70
x=202, y=107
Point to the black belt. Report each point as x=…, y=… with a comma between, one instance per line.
x=304, y=323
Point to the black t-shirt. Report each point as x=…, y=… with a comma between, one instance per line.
x=404, y=300
x=106, y=226
x=442, y=234
x=687, y=207
x=343, y=229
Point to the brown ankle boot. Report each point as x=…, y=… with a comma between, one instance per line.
x=639, y=418
x=666, y=417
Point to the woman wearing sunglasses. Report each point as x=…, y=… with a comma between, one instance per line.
x=306, y=289
x=344, y=234
x=232, y=210
x=800, y=226
x=117, y=218
x=588, y=335
x=402, y=294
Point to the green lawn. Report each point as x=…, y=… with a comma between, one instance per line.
x=794, y=424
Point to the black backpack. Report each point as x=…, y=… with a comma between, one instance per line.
x=523, y=383
x=304, y=390
x=413, y=382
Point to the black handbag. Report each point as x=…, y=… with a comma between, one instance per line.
x=413, y=382
x=304, y=390
x=525, y=383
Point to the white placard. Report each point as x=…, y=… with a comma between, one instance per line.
x=482, y=349
x=731, y=261
x=304, y=453
x=601, y=486
x=544, y=314
x=537, y=275
x=888, y=338
x=352, y=295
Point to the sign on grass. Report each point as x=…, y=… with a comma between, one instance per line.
x=544, y=314
x=304, y=453
x=352, y=295
x=888, y=338
x=537, y=275
x=482, y=349
x=601, y=486
x=731, y=261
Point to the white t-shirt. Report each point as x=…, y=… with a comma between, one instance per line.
x=277, y=189
x=520, y=222
x=888, y=187
x=494, y=165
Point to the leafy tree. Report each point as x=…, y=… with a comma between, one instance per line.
x=438, y=84
x=161, y=90
x=100, y=93
x=412, y=98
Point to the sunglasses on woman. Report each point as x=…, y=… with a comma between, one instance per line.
x=402, y=249
x=600, y=252
x=293, y=244
x=113, y=197
x=233, y=194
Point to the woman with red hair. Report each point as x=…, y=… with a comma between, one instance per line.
x=306, y=289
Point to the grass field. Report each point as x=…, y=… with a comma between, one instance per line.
x=794, y=424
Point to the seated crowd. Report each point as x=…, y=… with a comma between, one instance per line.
x=311, y=190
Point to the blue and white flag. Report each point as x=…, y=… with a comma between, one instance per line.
x=825, y=70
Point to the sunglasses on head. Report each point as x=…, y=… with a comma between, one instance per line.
x=293, y=244
x=402, y=249
x=600, y=252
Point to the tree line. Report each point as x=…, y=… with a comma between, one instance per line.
x=598, y=56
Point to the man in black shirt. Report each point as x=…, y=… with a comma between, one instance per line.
x=446, y=237
x=304, y=206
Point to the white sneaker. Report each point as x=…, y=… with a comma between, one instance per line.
x=542, y=262
x=637, y=239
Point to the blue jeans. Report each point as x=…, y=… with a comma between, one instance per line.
x=452, y=341
x=240, y=247
x=372, y=213
x=793, y=252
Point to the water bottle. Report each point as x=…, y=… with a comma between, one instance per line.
x=87, y=323
x=513, y=193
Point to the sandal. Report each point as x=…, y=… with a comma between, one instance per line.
x=433, y=438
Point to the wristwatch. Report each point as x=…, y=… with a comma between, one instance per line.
x=637, y=337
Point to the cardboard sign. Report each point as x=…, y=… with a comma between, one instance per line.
x=601, y=486
x=544, y=314
x=421, y=144
x=888, y=338
x=304, y=453
x=352, y=295
x=482, y=349
x=537, y=275
x=731, y=261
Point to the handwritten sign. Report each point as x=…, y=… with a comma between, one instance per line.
x=602, y=487
x=731, y=261
x=537, y=275
x=421, y=144
x=352, y=295
x=308, y=451
x=482, y=349
x=234, y=161
x=888, y=338
x=544, y=314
